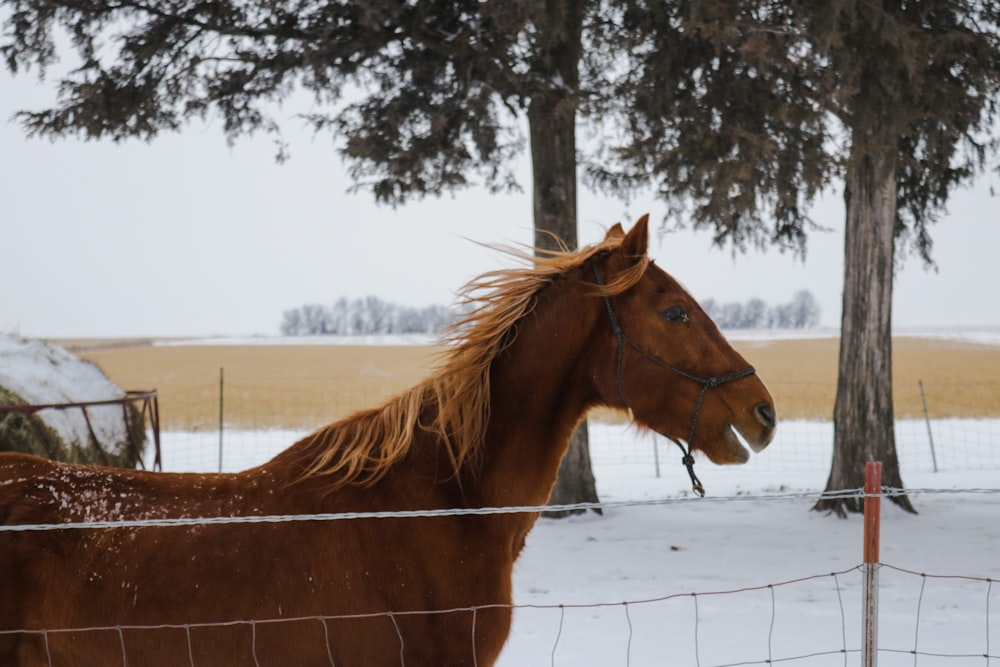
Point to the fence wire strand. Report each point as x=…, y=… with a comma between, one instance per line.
x=253, y=642
x=989, y=589
x=916, y=624
x=402, y=644
x=697, y=654
x=475, y=659
x=326, y=638
x=628, y=643
x=843, y=617
x=887, y=492
x=555, y=644
x=187, y=632
x=770, y=630
x=121, y=640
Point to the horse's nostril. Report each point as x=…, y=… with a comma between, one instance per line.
x=765, y=414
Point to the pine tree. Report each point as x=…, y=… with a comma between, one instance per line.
x=424, y=97
x=914, y=85
x=746, y=110
x=737, y=113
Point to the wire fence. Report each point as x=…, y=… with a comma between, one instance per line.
x=927, y=619
x=262, y=401
x=799, y=446
x=695, y=618
x=698, y=607
x=956, y=429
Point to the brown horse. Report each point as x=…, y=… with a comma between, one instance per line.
x=542, y=345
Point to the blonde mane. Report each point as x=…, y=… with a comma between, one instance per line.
x=453, y=404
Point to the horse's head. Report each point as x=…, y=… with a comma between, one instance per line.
x=666, y=360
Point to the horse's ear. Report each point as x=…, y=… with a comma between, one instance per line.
x=636, y=242
x=616, y=232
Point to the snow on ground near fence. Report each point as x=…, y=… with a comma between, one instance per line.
x=754, y=530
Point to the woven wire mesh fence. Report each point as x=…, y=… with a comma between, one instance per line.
x=203, y=423
x=924, y=618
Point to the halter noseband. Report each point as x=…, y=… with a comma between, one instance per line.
x=706, y=383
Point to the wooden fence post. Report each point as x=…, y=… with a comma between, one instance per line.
x=221, y=415
x=873, y=507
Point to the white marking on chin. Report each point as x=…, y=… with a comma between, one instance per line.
x=741, y=448
x=757, y=446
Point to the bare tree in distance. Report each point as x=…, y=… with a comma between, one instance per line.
x=368, y=316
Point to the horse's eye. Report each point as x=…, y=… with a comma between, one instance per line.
x=675, y=314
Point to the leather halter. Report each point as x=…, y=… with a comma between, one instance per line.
x=706, y=383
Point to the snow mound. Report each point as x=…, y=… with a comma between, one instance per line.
x=45, y=374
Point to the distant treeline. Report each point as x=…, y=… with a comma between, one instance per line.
x=367, y=316
x=371, y=315
x=802, y=312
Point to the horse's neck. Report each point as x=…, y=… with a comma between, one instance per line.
x=540, y=391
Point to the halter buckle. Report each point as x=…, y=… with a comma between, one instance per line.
x=688, y=461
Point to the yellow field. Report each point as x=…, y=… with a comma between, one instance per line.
x=296, y=386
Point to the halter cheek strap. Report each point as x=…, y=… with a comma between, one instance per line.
x=706, y=383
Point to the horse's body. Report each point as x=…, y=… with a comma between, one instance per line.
x=488, y=430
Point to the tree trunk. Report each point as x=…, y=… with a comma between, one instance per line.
x=552, y=127
x=575, y=483
x=863, y=419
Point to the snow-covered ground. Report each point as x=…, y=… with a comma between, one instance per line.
x=774, y=580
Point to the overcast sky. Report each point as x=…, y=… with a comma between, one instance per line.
x=187, y=236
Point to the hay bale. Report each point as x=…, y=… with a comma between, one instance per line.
x=33, y=372
x=20, y=433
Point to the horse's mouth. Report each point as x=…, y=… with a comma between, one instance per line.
x=739, y=447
